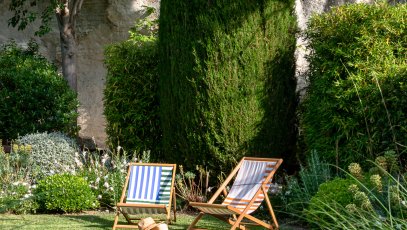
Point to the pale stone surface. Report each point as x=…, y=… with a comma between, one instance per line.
x=100, y=22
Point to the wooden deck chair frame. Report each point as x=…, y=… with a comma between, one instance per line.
x=238, y=215
x=166, y=208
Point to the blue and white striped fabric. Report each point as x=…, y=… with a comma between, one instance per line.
x=149, y=184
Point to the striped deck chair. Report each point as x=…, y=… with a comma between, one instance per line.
x=149, y=189
x=248, y=191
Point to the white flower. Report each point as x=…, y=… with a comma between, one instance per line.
x=16, y=183
x=27, y=195
x=51, y=172
x=403, y=202
x=33, y=186
x=97, y=180
x=118, y=148
x=111, y=188
x=106, y=185
x=100, y=197
x=106, y=177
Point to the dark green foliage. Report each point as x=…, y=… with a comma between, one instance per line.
x=357, y=98
x=130, y=97
x=66, y=193
x=33, y=97
x=226, y=80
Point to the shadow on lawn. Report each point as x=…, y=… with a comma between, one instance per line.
x=92, y=221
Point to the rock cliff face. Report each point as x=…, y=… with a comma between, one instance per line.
x=100, y=22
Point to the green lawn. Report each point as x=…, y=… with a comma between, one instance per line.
x=94, y=221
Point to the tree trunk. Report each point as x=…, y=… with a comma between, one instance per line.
x=66, y=17
x=68, y=53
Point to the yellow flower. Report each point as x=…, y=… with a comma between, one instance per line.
x=28, y=148
x=355, y=170
x=15, y=148
x=377, y=182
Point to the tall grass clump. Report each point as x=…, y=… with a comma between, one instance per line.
x=357, y=95
x=226, y=81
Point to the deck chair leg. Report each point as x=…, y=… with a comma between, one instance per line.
x=273, y=216
x=116, y=219
x=237, y=222
x=191, y=227
x=174, y=208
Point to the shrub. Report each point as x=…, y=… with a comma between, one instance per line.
x=33, y=96
x=330, y=195
x=130, y=97
x=51, y=153
x=226, y=83
x=355, y=107
x=66, y=193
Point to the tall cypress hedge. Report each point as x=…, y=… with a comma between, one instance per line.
x=226, y=80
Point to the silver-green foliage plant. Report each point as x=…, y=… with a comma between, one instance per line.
x=51, y=153
x=299, y=191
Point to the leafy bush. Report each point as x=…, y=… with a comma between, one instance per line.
x=33, y=96
x=226, y=83
x=51, y=153
x=330, y=195
x=130, y=96
x=66, y=193
x=355, y=107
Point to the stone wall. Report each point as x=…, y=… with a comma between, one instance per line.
x=100, y=22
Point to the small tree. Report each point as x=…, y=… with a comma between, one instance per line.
x=66, y=12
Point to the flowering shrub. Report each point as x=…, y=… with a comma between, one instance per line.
x=106, y=173
x=17, y=198
x=66, y=193
x=15, y=183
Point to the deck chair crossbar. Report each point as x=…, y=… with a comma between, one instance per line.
x=148, y=189
x=252, y=179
